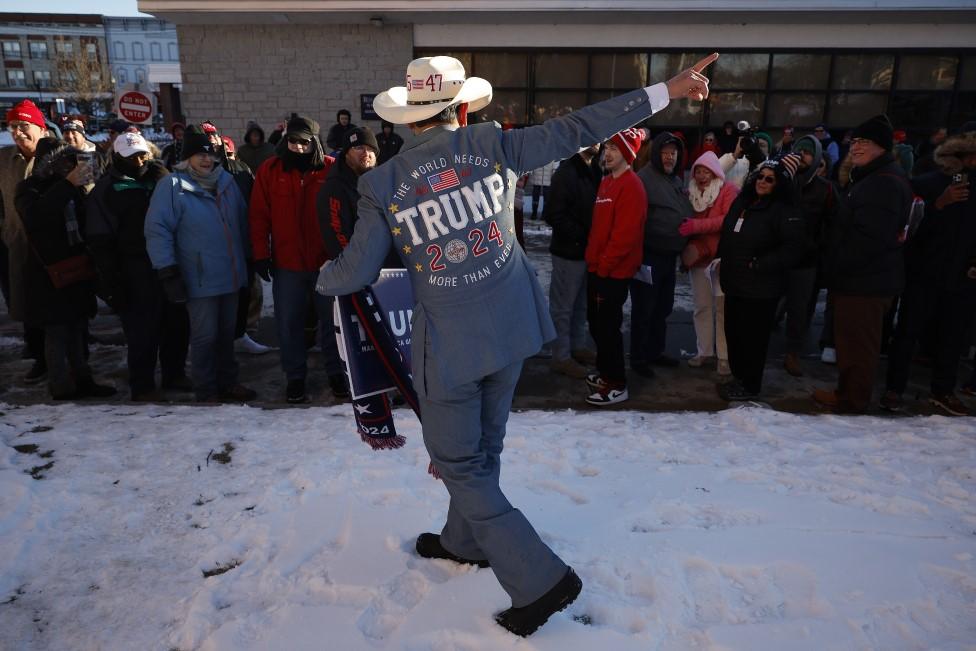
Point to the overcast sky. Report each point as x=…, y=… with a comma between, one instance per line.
x=104, y=7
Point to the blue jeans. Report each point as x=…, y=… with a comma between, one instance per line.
x=567, y=306
x=650, y=307
x=292, y=291
x=464, y=434
x=212, y=365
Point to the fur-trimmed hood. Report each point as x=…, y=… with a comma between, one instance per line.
x=949, y=154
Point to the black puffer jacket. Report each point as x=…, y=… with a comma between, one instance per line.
x=117, y=208
x=769, y=242
x=44, y=202
x=336, y=208
x=865, y=256
x=569, y=206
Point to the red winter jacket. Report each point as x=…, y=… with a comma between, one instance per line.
x=283, y=218
x=706, y=226
x=616, y=243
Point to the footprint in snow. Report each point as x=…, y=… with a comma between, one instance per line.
x=388, y=609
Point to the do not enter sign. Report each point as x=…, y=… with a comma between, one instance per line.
x=135, y=107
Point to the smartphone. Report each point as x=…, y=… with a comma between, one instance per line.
x=86, y=159
x=960, y=179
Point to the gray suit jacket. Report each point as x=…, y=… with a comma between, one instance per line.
x=447, y=204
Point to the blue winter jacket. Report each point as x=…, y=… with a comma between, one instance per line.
x=205, y=234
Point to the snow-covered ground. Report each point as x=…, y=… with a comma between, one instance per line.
x=747, y=529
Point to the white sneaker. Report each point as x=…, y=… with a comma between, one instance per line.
x=247, y=345
x=607, y=397
x=829, y=356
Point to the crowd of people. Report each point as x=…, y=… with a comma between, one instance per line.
x=175, y=241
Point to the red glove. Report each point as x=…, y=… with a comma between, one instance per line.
x=686, y=228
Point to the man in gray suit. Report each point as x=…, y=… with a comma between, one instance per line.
x=446, y=202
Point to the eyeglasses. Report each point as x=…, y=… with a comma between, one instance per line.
x=295, y=140
x=859, y=141
x=19, y=126
x=818, y=130
x=766, y=178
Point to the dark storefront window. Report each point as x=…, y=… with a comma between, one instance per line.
x=918, y=90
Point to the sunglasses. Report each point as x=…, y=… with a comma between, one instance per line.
x=766, y=178
x=295, y=140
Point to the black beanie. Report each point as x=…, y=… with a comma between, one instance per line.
x=360, y=136
x=195, y=141
x=878, y=130
x=302, y=126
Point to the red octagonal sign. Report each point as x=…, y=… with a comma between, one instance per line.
x=135, y=107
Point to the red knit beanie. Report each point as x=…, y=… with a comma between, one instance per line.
x=26, y=111
x=628, y=142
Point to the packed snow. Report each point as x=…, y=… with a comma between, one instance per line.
x=235, y=528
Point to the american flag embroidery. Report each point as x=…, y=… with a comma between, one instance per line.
x=417, y=84
x=443, y=180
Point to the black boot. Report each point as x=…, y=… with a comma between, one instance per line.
x=337, y=382
x=525, y=620
x=429, y=546
x=295, y=392
x=86, y=388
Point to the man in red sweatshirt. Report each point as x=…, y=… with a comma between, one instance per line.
x=613, y=256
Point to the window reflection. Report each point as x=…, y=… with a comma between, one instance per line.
x=926, y=72
x=550, y=104
x=851, y=109
x=919, y=109
x=735, y=107
x=507, y=107
x=863, y=71
x=800, y=71
x=625, y=71
x=666, y=65
x=501, y=68
x=798, y=109
x=560, y=70
x=740, y=71
x=967, y=75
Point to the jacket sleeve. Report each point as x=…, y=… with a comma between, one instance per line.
x=162, y=220
x=259, y=214
x=791, y=230
x=630, y=210
x=101, y=236
x=336, y=219
x=42, y=210
x=533, y=147
x=360, y=262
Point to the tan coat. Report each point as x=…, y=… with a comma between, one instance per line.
x=14, y=168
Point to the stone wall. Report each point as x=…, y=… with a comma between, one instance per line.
x=233, y=74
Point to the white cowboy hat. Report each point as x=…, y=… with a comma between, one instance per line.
x=433, y=84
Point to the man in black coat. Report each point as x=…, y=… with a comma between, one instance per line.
x=866, y=266
x=57, y=275
x=940, y=259
x=569, y=210
x=339, y=131
x=389, y=143
x=154, y=327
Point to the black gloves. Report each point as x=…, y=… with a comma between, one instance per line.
x=172, y=282
x=264, y=269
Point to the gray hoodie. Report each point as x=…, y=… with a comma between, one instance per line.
x=667, y=201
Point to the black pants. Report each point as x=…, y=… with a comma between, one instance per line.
x=605, y=298
x=650, y=307
x=5, y=274
x=537, y=191
x=748, y=322
x=950, y=314
x=800, y=301
x=154, y=329
x=64, y=352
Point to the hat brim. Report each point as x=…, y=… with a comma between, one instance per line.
x=391, y=105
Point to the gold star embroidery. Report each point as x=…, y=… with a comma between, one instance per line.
x=394, y=207
x=498, y=168
x=406, y=249
x=418, y=267
x=396, y=231
x=511, y=229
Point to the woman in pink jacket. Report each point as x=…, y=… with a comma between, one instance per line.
x=711, y=196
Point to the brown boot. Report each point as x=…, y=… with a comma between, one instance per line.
x=792, y=365
x=826, y=398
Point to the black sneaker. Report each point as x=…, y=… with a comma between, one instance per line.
x=526, y=620
x=337, y=382
x=735, y=391
x=891, y=401
x=295, y=392
x=37, y=372
x=950, y=404
x=643, y=370
x=88, y=389
x=429, y=546
x=237, y=393
x=665, y=361
x=595, y=382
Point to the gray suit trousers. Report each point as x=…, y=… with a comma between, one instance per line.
x=463, y=434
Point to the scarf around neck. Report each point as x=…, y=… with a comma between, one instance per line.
x=207, y=181
x=702, y=200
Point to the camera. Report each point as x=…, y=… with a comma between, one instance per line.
x=748, y=143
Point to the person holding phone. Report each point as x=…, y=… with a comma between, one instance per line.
x=940, y=261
